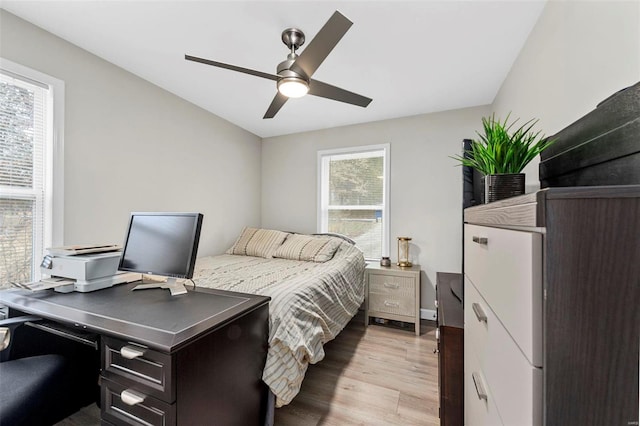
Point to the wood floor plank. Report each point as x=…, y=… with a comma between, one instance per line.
x=376, y=357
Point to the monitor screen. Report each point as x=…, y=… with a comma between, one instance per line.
x=162, y=244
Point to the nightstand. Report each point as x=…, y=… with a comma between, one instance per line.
x=393, y=293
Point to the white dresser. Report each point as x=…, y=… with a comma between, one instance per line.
x=551, y=308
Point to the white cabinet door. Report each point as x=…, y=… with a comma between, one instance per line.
x=506, y=267
x=515, y=384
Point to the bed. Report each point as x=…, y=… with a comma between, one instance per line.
x=316, y=285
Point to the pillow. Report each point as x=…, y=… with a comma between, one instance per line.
x=308, y=248
x=258, y=242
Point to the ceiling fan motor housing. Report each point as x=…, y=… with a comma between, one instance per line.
x=284, y=70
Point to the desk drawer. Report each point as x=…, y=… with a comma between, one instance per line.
x=515, y=384
x=506, y=268
x=123, y=406
x=152, y=371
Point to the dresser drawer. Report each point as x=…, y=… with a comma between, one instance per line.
x=123, y=406
x=515, y=384
x=479, y=403
x=506, y=268
x=152, y=371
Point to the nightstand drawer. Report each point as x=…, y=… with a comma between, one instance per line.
x=397, y=304
x=392, y=284
x=151, y=370
x=515, y=384
x=506, y=268
x=124, y=406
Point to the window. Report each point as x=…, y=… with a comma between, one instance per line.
x=30, y=170
x=354, y=196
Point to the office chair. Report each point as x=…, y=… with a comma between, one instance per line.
x=43, y=378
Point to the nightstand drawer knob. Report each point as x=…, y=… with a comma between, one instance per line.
x=391, y=304
x=131, y=397
x=477, y=309
x=481, y=240
x=391, y=285
x=131, y=352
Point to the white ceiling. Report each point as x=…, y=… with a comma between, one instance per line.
x=411, y=57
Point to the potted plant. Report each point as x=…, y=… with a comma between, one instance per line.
x=501, y=153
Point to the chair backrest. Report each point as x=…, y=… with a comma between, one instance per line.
x=8, y=328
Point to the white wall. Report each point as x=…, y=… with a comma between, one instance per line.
x=578, y=54
x=131, y=146
x=425, y=192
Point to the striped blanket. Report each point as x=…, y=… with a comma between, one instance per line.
x=310, y=304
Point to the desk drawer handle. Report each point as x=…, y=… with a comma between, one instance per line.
x=481, y=240
x=477, y=309
x=391, y=304
x=131, y=397
x=131, y=352
x=477, y=381
x=391, y=285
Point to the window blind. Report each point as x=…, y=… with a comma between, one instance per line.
x=23, y=135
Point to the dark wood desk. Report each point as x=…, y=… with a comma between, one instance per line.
x=168, y=359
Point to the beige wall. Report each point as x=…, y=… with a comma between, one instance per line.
x=425, y=185
x=578, y=54
x=131, y=146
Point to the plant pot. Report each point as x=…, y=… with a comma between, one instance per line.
x=499, y=187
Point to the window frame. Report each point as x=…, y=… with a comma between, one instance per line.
x=53, y=177
x=323, y=190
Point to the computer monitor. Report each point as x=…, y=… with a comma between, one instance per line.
x=162, y=244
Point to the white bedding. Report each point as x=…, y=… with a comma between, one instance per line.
x=310, y=304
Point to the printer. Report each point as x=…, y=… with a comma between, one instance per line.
x=85, y=272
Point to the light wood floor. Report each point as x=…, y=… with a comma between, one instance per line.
x=378, y=375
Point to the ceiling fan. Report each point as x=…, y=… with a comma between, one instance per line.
x=294, y=74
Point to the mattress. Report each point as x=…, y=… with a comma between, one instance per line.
x=310, y=304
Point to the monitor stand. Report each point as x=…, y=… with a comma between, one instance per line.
x=172, y=284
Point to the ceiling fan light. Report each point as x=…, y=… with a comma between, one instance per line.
x=293, y=87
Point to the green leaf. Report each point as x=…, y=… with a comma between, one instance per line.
x=503, y=150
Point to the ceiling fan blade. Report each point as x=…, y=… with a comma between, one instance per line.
x=275, y=106
x=232, y=67
x=324, y=90
x=322, y=44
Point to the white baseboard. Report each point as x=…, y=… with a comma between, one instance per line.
x=428, y=314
